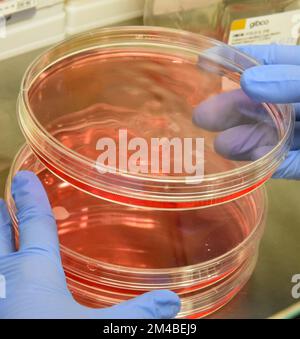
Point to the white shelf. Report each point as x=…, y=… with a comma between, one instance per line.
x=88, y=14
x=51, y=20
x=9, y=7
x=28, y=31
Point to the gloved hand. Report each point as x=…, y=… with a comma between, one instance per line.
x=35, y=280
x=245, y=130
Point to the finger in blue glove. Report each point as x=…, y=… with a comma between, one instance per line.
x=36, y=283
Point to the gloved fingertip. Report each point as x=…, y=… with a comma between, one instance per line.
x=160, y=304
x=227, y=145
x=249, y=83
x=25, y=180
x=168, y=303
x=278, y=84
x=273, y=53
x=202, y=116
x=290, y=168
x=28, y=192
x=37, y=225
x=264, y=54
x=6, y=233
x=260, y=152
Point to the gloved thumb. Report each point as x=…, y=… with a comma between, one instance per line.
x=278, y=84
x=37, y=225
x=290, y=169
x=161, y=304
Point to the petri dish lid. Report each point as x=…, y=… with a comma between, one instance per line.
x=151, y=117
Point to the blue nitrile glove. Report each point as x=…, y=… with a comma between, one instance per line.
x=35, y=280
x=245, y=131
x=277, y=81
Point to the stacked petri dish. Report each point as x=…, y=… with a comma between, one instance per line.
x=126, y=229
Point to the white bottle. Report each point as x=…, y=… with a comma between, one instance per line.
x=202, y=16
x=232, y=21
x=263, y=23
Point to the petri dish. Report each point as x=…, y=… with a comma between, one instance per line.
x=126, y=230
x=155, y=83
x=113, y=252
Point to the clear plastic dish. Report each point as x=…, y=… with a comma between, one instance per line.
x=113, y=252
x=123, y=232
x=154, y=82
